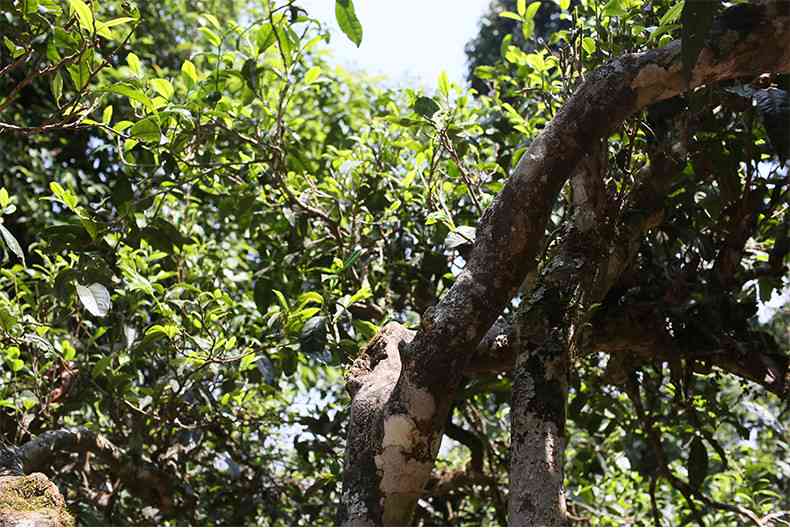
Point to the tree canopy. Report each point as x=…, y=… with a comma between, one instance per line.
x=229, y=265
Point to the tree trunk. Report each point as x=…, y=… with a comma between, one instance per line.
x=401, y=398
x=544, y=323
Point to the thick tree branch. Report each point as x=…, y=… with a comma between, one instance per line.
x=141, y=479
x=641, y=332
x=395, y=432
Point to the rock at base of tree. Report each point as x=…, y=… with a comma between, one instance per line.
x=32, y=500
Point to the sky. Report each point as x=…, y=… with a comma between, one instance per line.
x=409, y=41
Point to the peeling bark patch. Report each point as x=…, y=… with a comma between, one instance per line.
x=400, y=473
x=399, y=430
x=649, y=75
x=402, y=477
x=420, y=403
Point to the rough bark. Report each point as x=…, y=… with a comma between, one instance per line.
x=543, y=333
x=396, y=425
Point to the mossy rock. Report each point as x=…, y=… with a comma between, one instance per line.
x=32, y=500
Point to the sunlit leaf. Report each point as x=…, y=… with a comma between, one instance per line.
x=348, y=21
x=95, y=298
x=12, y=243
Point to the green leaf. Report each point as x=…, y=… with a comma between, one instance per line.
x=696, y=21
x=697, y=463
x=133, y=93
x=532, y=10
x=12, y=243
x=246, y=362
x=348, y=21
x=615, y=8
x=15, y=50
x=285, y=44
x=7, y=318
x=527, y=29
x=211, y=19
x=101, y=365
x=146, y=130
x=444, y=84
x=212, y=37
x=673, y=14
x=134, y=64
x=56, y=85
x=426, y=106
x=106, y=115
x=521, y=7
x=351, y=260
x=95, y=298
x=281, y=300
x=511, y=15
x=68, y=198
x=265, y=37
x=312, y=74
x=103, y=28
x=80, y=73
x=589, y=45
x=188, y=69
x=114, y=22
x=169, y=331
x=84, y=14
x=163, y=87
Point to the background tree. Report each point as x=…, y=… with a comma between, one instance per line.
x=204, y=224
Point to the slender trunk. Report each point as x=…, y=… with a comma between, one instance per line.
x=540, y=391
x=543, y=325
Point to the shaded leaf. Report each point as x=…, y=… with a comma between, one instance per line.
x=263, y=294
x=426, y=106
x=697, y=462
x=146, y=130
x=774, y=105
x=313, y=336
x=265, y=37
x=163, y=235
x=266, y=368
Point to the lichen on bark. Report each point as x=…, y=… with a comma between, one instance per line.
x=32, y=500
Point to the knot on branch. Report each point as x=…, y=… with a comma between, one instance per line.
x=379, y=363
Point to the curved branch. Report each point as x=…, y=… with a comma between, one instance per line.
x=142, y=479
x=471, y=441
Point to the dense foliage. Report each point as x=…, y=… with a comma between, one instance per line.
x=203, y=222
